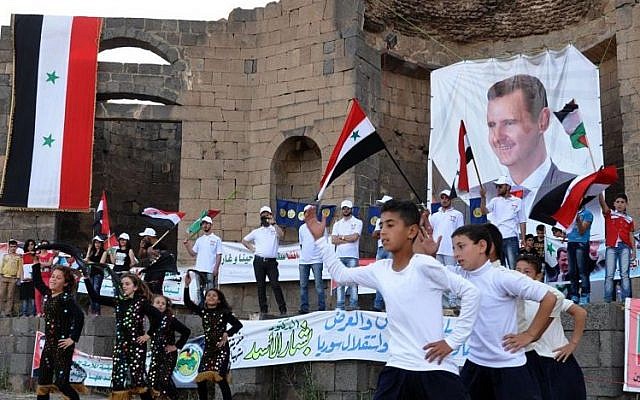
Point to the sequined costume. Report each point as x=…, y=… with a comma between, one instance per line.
x=215, y=362
x=63, y=319
x=163, y=363
x=128, y=376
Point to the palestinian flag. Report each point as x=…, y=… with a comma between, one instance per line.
x=357, y=142
x=571, y=121
x=101, y=223
x=561, y=204
x=170, y=216
x=465, y=155
x=50, y=144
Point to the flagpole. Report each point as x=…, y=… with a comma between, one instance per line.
x=415, y=192
x=476, y=168
x=590, y=153
x=163, y=235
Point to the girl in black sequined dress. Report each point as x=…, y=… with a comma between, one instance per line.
x=129, y=351
x=164, y=349
x=215, y=363
x=63, y=324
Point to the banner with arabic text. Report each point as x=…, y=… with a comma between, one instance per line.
x=319, y=336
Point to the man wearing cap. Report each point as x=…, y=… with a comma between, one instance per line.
x=507, y=213
x=263, y=242
x=310, y=259
x=345, y=235
x=444, y=221
x=208, y=253
x=10, y=266
x=381, y=253
x=149, y=238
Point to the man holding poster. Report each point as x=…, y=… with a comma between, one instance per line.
x=518, y=116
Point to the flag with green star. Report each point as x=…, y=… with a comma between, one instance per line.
x=358, y=141
x=50, y=147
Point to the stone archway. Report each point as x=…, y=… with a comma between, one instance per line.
x=296, y=170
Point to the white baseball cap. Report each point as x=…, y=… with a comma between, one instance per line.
x=207, y=219
x=445, y=192
x=98, y=238
x=148, y=232
x=503, y=180
x=308, y=206
x=384, y=199
x=124, y=236
x=265, y=209
x=346, y=203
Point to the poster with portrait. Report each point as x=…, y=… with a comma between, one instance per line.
x=534, y=119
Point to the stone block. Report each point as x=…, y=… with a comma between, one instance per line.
x=21, y=383
x=20, y=363
x=22, y=344
x=26, y=326
x=323, y=374
x=99, y=326
x=603, y=382
x=612, y=348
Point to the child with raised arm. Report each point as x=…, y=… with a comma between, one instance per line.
x=164, y=349
x=412, y=286
x=550, y=358
x=216, y=358
x=63, y=322
x=495, y=367
x=131, y=303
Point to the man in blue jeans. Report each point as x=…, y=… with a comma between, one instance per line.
x=345, y=235
x=310, y=259
x=577, y=252
x=507, y=213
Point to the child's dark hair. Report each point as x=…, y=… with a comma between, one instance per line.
x=69, y=277
x=13, y=242
x=621, y=196
x=141, y=288
x=407, y=211
x=528, y=236
x=223, y=305
x=496, y=239
x=540, y=228
x=475, y=233
x=532, y=261
x=27, y=243
x=169, y=309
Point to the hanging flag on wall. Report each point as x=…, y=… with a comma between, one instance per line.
x=357, y=142
x=50, y=145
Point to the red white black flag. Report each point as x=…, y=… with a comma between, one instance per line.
x=172, y=216
x=101, y=223
x=465, y=155
x=50, y=145
x=357, y=142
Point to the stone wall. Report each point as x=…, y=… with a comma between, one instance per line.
x=600, y=354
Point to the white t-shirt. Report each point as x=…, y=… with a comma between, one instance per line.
x=497, y=316
x=413, y=299
x=207, y=247
x=344, y=227
x=309, y=252
x=444, y=222
x=554, y=336
x=507, y=214
x=265, y=239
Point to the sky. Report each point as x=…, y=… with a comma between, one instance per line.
x=208, y=10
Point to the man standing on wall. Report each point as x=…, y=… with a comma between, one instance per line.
x=444, y=221
x=346, y=237
x=310, y=260
x=208, y=252
x=507, y=213
x=263, y=242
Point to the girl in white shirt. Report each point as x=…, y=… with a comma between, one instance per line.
x=551, y=358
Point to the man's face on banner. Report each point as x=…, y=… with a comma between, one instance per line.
x=515, y=136
x=563, y=262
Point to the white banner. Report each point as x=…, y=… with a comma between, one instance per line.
x=318, y=336
x=519, y=144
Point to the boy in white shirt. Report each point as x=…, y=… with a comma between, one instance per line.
x=412, y=286
x=550, y=358
x=496, y=365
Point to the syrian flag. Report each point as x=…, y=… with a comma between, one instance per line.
x=465, y=156
x=357, y=142
x=50, y=145
x=571, y=121
x=562, y=203
x=172, y=216
x=101, y=223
